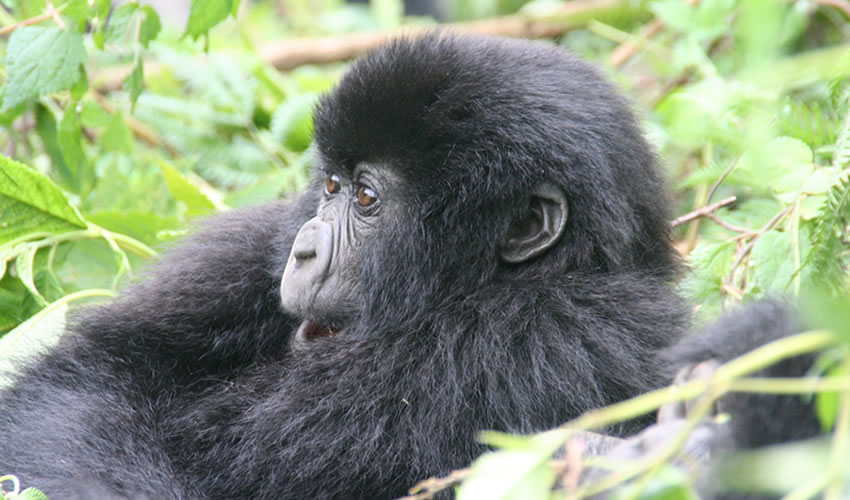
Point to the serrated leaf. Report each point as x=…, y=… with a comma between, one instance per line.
x=134, y=81
x=30, y=203
x=197, y=203
x=150, y=26
x=40, y=61
x=204, y=14
x=31, y=494
x=24, y=270
x=118, y=21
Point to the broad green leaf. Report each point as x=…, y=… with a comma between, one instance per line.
x=292, y=122
x=143, y=226
x=31, y=203
x=134, y=81
x=197, y=203
x=204, y=14
x=118, y=21
x=150, y=26
x=41, y=60
x=24, y=269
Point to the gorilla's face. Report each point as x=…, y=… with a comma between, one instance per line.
x=321, y=280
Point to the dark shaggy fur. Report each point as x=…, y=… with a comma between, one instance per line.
x=186, y=386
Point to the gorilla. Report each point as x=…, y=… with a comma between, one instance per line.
x=484, y=246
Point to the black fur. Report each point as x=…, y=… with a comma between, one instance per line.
x=757, y=419
x=186, y=386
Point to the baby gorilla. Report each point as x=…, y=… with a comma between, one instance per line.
x=485, y=246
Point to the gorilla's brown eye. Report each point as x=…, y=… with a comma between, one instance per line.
x=365, y=196
x=332, y=184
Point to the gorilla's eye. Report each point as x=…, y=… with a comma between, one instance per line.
x=365, y=196
x=332, y=184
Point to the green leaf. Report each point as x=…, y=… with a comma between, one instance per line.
x=77, y=11
x=292, y=122
x=31, y=494
x=40, y=61
x=30, y=203
x=197, y=203
x=235, y=9
x=150, y=26
x=23, y=267
x=204, y=14
x=118, y=21
x=143, y=226
x=134, y=81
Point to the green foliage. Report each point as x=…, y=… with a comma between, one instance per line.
x=118, y=127
x=41, y=60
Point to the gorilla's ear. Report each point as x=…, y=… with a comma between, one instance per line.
x=540, y=228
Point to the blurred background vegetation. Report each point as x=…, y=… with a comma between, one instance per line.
x=122, y=122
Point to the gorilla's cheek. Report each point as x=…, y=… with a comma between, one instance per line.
x=308, y=267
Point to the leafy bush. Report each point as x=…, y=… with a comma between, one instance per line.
x=118, y=129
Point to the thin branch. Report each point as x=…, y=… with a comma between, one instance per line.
x=626, y=50
x=702, y=212
x=430, y=487
x=755, y=236
x=139, y=129
x=290, y=53
x=26, y=22
x=722, y=178
x=722, y=223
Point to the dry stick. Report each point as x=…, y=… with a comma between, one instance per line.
x=755, y=236
x=702, y=212
x=722, y=223
x=722, y=178
x=26, y=22
x=290, y=53
x=625, y=51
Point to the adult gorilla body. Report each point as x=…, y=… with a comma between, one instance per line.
x=485, y=248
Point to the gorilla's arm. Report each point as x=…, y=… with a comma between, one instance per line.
x=94, y=406
x=756, y=419
x=213, y=302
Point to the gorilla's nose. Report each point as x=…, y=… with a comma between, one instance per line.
x=304, y=251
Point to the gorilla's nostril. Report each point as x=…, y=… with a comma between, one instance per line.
x=304, y=253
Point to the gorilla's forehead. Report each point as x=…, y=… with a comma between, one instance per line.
x=427, y=102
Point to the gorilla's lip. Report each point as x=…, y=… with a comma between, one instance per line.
x=310, y=330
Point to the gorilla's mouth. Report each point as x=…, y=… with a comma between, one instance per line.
x=310, y=330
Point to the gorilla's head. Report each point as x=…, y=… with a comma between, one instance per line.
x=453, y=163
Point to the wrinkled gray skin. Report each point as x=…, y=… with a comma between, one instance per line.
x=320, y=283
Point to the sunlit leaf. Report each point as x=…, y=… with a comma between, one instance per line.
x=31, y=203
x=41, y=60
